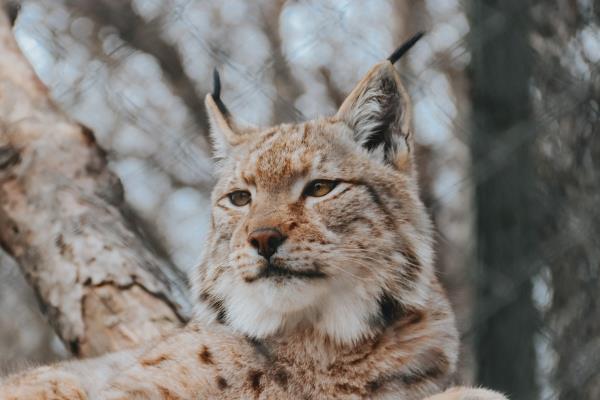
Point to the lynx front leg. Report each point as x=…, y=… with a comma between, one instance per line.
x=47, y=383
x=463, y=393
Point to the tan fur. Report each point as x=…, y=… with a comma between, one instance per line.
x=357, y=312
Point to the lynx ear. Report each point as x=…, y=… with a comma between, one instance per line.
x=378, y=111
x=224, y=132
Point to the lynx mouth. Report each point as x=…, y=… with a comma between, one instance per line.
x=279, y=272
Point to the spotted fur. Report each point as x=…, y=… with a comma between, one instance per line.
x=347, y=307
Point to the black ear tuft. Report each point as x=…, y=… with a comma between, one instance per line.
x=406, y=46
x=216, y=94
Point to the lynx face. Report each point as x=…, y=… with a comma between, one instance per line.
x=317, y=225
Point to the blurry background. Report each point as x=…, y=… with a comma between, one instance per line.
x=506, y=101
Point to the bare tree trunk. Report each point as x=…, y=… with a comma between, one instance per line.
x=63, y=219
x=505, y=320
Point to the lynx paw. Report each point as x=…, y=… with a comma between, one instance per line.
x=42, y=384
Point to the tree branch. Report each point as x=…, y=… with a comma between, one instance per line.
x=288, y=88
x=336, y=95
x=62, y=217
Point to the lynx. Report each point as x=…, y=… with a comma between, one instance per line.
x=317, y=280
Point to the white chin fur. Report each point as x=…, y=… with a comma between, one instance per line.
x=263, y=308
x=346, y=313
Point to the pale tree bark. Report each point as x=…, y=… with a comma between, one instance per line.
x=63, y=219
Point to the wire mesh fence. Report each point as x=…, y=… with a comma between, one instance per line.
x=136, y=72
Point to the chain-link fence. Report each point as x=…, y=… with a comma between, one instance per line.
x=511, y=190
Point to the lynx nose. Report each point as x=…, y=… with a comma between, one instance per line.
x=266, y=241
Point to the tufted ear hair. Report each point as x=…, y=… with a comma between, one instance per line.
x=224, y=132
x=379, y=112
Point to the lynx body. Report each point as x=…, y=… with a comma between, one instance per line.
x=317, y=280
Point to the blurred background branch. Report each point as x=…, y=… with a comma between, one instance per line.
x=146, y=36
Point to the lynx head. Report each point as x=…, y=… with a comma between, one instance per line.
x=317, y=225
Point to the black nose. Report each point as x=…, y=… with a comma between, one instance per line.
x=266, y=241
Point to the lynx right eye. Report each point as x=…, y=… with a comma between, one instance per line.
x=319, y=188
x=239, y=198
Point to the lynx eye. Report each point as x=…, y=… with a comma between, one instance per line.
x=239, y=198
x=319, y=188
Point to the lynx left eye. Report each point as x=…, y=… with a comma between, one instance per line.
x=319, y=188
x=239, y=198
